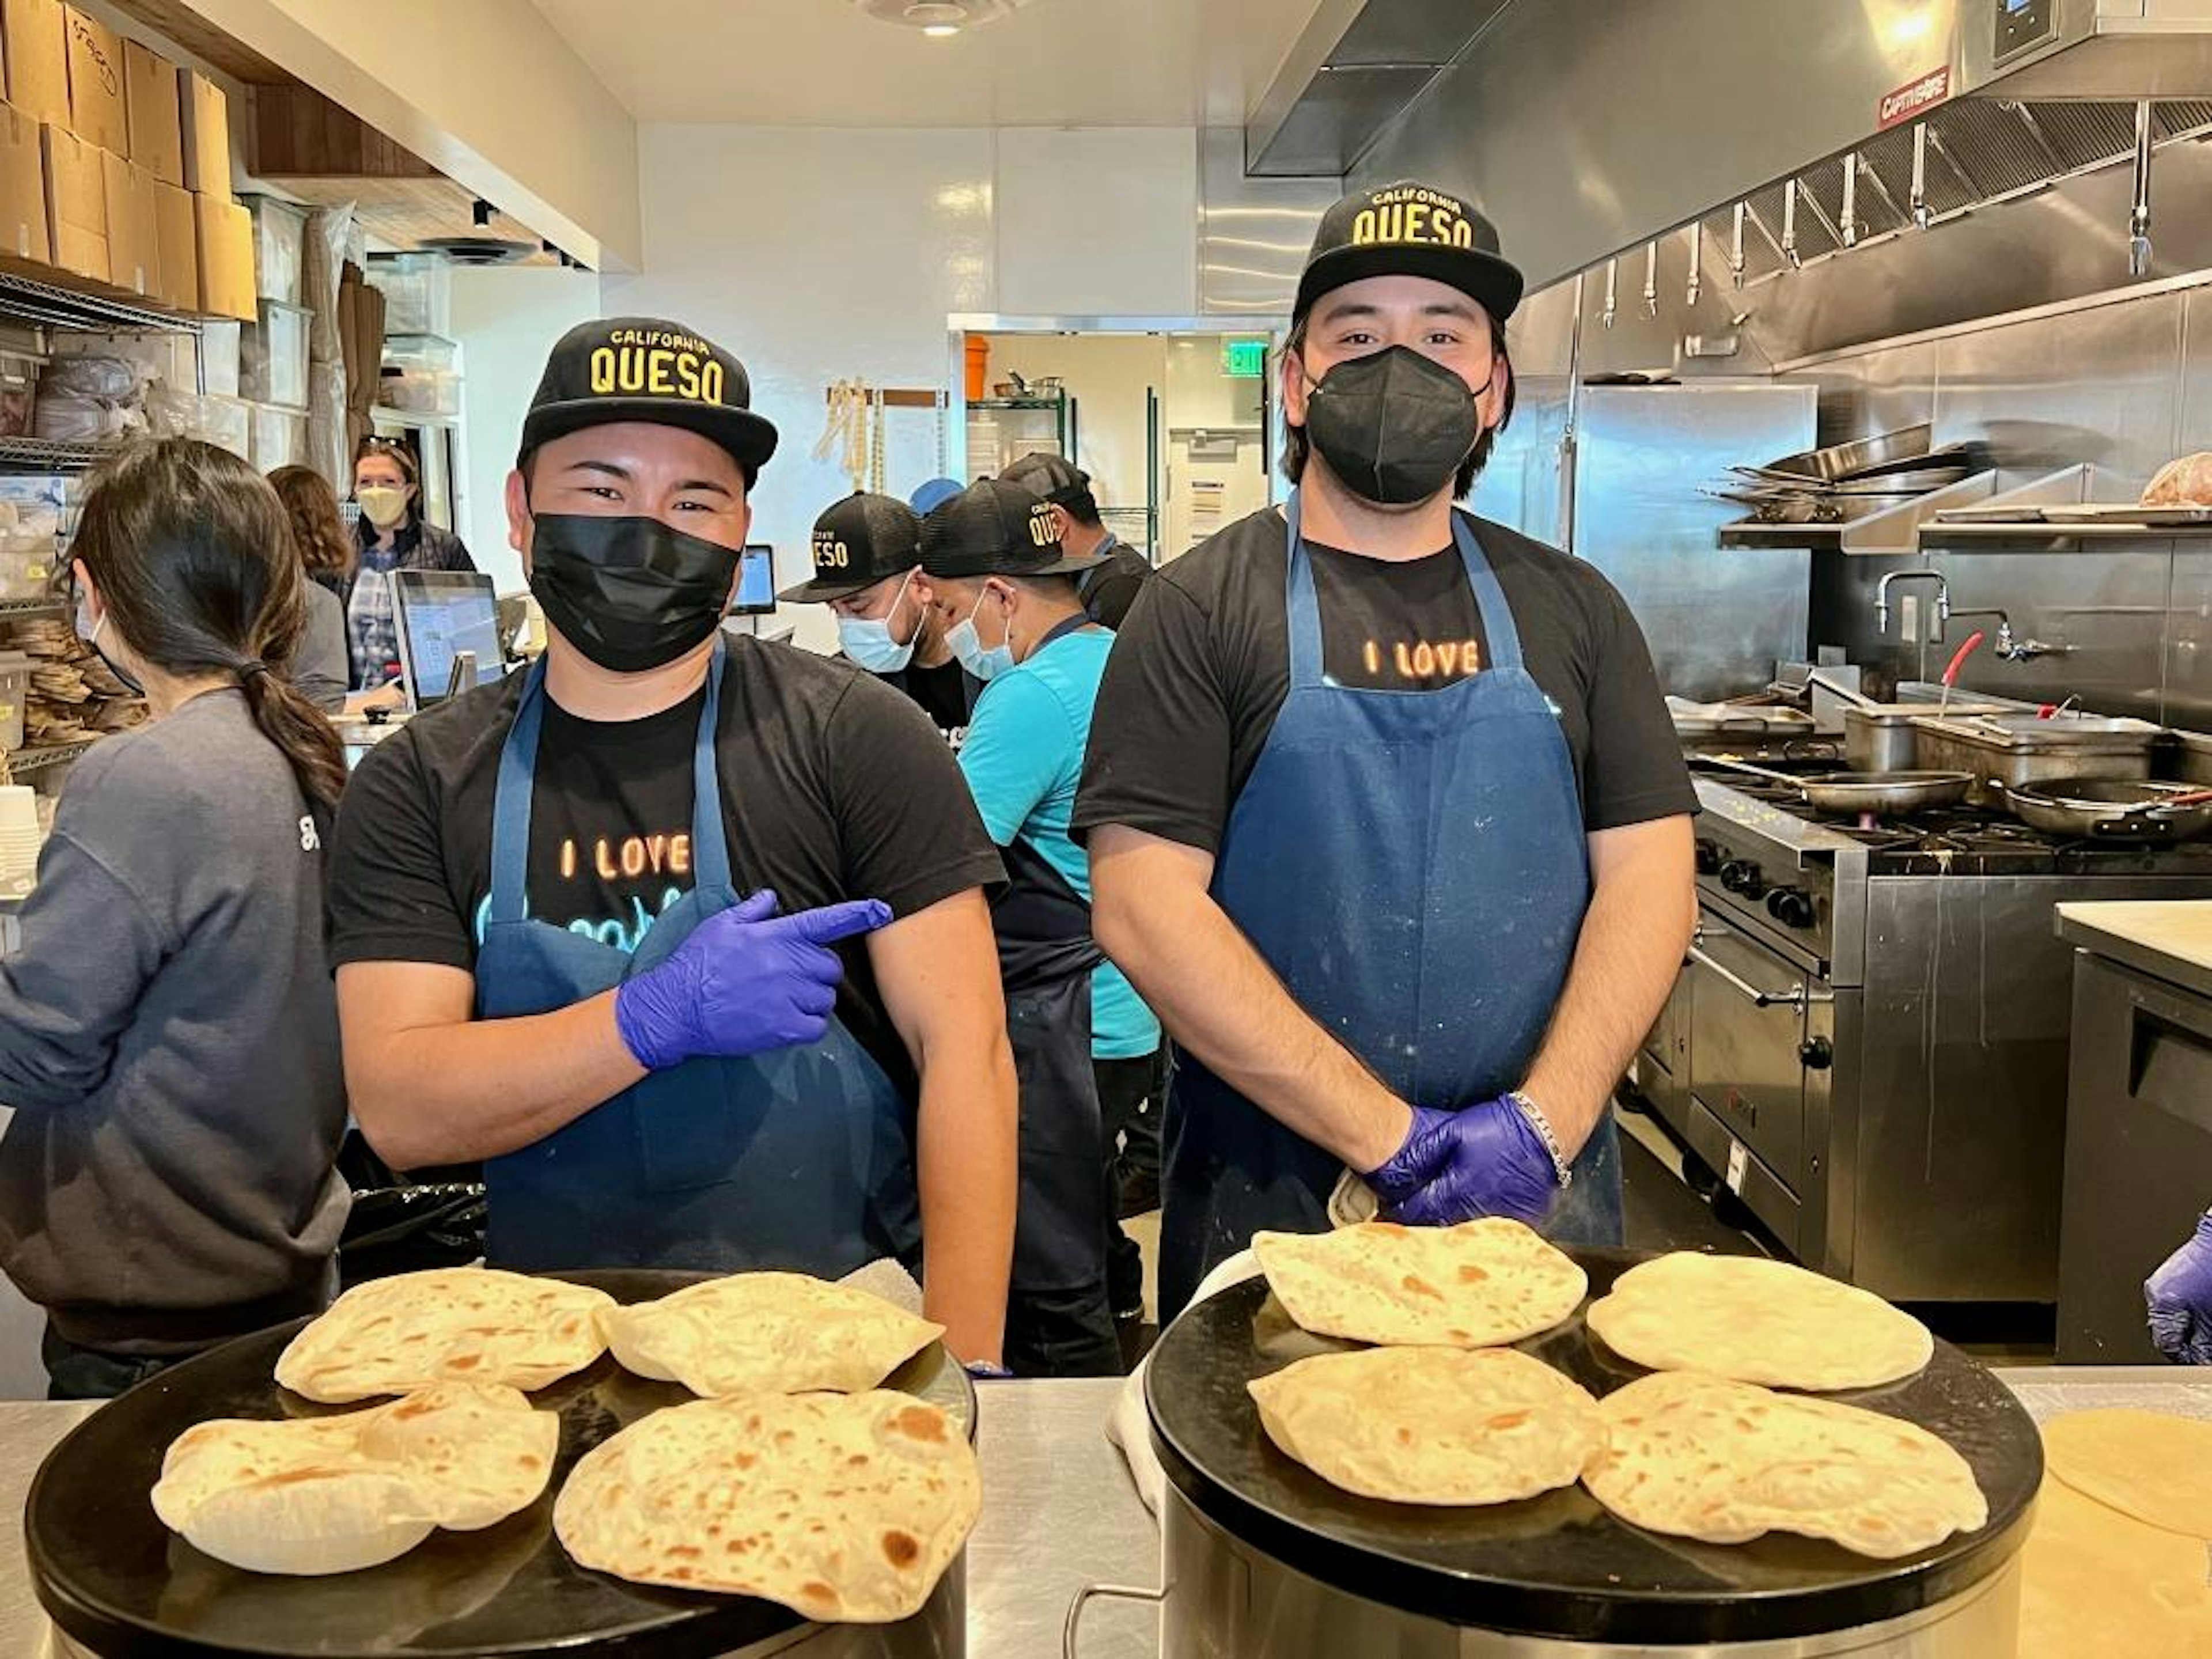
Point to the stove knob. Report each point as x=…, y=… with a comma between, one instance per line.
x=1816, y=1054
x=1790, y=906
x=1708, y=857
x=1741, y=875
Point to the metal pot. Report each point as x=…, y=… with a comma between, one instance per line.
x=2023, y=751
x=1884, y=736
x=2139, y=813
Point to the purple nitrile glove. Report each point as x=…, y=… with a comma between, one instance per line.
x=2181, y=1298
x=1454, y=1166
x=746, y=981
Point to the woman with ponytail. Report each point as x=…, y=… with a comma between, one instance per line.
x=169, y=1035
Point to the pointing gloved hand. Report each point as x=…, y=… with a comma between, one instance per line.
x=2180, y=1296
x=746, y=981
x=1454, y=1166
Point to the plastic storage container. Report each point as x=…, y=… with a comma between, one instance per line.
x=272, y=357
x=219, y=355
x=426, y=392
x=280, y=244
x=421, y=353
x=227, y=423
x=15, y=689
x=27, y=567
x=278, y=437
x=416, y=294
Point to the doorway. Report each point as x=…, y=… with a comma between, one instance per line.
x=1172, y=418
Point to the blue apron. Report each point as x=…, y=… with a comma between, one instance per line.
x=1412, y=866
x=800, y=1158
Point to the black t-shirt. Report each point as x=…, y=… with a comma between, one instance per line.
x=947, y=695
x=833, y=787
x=1201, y=667
x=1109, y=589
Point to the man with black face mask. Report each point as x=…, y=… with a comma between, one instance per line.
x=682, y=935
x=1387, y=819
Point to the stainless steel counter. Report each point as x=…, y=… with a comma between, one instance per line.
x=1059, y=1511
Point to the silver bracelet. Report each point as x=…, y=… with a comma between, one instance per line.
x=1542, y=1125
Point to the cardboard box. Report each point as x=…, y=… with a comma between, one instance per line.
x=205, y=113
x=225, y=255
x=176, y=228
x=76, y=202
x=95, y=77
x=157, y=129
x=134, y=239
x=22, y=189
x=38, y=58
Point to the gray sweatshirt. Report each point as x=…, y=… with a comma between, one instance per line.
x=169, y=1041
x=319, y=667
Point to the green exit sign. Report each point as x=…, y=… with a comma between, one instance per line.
x=1244, y=360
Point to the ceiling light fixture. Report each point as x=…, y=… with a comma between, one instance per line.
x=940, y=19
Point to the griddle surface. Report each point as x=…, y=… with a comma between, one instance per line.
x=115, y=1579
x=1561, y=1566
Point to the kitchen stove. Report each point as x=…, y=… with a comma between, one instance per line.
x=1868, y=1042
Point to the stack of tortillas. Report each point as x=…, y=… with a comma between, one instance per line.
x=1432, y=1426
x=331, y=1494
x=2116, y=1565
x=452, y=1324
x=1757, y=1321
x=766, y=1333
x=842, y=1507
x=1479, y=1284
x=1707, y=1457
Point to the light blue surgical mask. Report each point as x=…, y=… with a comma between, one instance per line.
x=868, y=640
x=89, y=631
x=984, y=662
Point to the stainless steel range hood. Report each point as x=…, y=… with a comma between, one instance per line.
x=1587, y=129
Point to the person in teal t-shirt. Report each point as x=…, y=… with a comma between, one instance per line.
x=1006, y=594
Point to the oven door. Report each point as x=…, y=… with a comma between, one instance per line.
x=1748, y=1032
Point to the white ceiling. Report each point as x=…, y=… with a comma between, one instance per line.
x=824, y=62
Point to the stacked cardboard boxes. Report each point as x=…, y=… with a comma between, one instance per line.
x=115, y=165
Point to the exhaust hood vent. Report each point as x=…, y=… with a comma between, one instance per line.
x=479, y=250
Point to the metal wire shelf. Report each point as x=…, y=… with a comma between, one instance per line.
x=48, y=304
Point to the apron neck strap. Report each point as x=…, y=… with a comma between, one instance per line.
x=1502, y=636
x=1060, y=631
x=518, y=770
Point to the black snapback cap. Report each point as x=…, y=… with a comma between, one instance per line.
x=1409, y=229
x=1053, y=477
x=646, y=369
x=994, y=528
x=857, y=543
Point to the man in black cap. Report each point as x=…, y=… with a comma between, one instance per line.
x=1109, y=588
x=682, y=935
x=867, y=551
x=995, y=571
x=1386, y=817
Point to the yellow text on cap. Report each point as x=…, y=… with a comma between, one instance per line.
x=830, y=552
x=1417, y=216
x=658, y=371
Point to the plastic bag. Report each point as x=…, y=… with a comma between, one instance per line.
x=111, y=379
x=72, y=419
x=405, y=1223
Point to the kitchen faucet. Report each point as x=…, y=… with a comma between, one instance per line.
x=1943, y=601
x=2007, y=648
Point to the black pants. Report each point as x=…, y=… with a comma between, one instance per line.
x=1062, y=1334
x=1126, y=1089
x=75, y=1373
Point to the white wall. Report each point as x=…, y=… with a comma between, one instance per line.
x=506, y=320
x=818, y=254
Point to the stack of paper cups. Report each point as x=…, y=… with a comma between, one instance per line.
x=19, y=840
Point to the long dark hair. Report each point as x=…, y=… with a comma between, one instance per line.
x=193, y=556
x=325, y=547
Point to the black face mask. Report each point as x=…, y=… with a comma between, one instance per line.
x=630, y=594
x=1393, y=425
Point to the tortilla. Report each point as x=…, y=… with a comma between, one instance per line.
x=844, y=1508
x=1432, y=1426
x=766, y=1333
x=451, y=1324
x=332, y=1494
x=1757, y=1321
x=2099, y=1584
x=2149, y=1465
x=1479, y=1284
x=1706, y=1457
